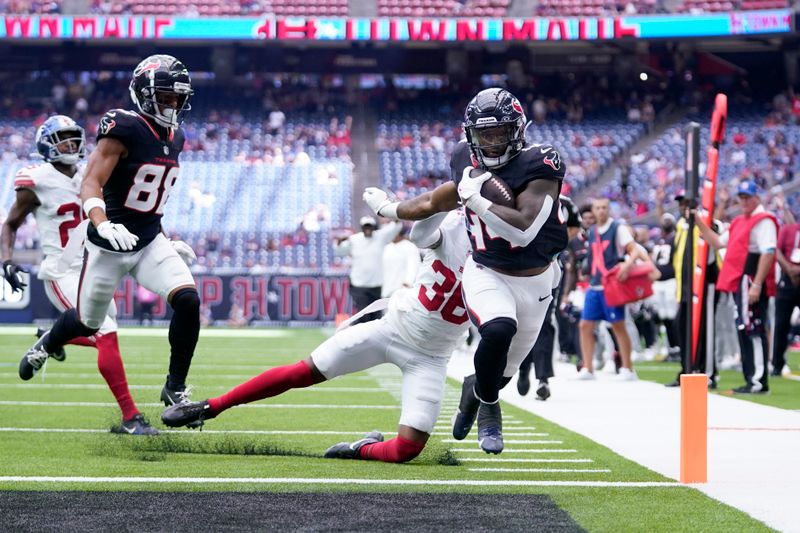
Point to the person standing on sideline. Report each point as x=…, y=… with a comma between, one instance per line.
x=366, y=270
x=705, y=359
x=609, y=243
x=748, y=272
x=401, y=262
x=788, y=293
x=541, y=355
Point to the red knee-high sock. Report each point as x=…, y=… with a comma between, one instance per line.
x=273, y=382
x=396, y=450
x=109, y=361
x=85, y=341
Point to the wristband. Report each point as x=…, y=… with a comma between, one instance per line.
x=93, y=202
x=478, y=204
x=389, y=211
x=754, y=284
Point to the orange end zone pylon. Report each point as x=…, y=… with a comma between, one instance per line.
x=694, y=428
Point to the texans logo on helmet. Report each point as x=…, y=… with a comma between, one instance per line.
x=107, y=123
x=517, y=107
x=151, y=65
x=553, y=160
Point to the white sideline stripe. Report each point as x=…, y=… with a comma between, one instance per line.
x=249, y=406
x=570, y=470
x=57, y=373
x=511, y=422
x=185, y=432
x=505, y=460
x=507, y=441
x=209, y=431
x=339, y=481
x=88, y=386
x=517, y=450
x=162, y=332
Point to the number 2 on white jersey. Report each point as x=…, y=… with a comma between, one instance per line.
x=151, y=187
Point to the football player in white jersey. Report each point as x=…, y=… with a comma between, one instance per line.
x=51, y=191
x=418, y=334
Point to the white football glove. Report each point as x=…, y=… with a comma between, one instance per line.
x=378, y=201
x=185, y=251
x=118, y=235
x=469, y=190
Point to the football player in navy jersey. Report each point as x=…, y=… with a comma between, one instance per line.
x=508, y=281
x=124, y=191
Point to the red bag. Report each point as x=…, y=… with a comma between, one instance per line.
x=636, y=287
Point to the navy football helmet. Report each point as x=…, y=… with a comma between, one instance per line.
x=60, y=140
x=161, y=89
x=494, y=124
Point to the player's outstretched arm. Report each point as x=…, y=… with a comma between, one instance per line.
x=425, y=233
x=442, y=198
x=24, y=204
x=521, y=225
x=101, y=164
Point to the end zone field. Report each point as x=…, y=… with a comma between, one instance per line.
x=260, y=466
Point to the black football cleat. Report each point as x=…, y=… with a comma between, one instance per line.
x=490, y=428
x=191, y=414
x=34, y=359
x=349, y=450
x=60, y=354
x=543, y=390
x=172, y=397
x=137, y=425
x=523, y=382
x=467, y=409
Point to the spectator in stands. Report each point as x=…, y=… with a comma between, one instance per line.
x=788, y=295
x=401, y=260
x=366, y=272
x=748, y=273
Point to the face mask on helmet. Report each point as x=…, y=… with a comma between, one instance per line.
x=66, y=146
x=495, y=145
x=167, y=107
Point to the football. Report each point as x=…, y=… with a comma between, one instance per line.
x=496, y=190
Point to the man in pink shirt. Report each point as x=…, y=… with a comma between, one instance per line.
x=788, y=294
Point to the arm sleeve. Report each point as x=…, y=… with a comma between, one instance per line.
x=425, y=233
x=24, y=179
x=624, y=237
x=389, y=231
x=342, y=249
x=514, y=235
x=766, y=234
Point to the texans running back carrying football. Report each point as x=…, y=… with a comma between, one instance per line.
x=51, y=191
x=510, y=276
x=124, y=192
x=418, y=334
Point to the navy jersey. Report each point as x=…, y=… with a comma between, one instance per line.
x=138, y=188
x=534, y=162
x=603, y=254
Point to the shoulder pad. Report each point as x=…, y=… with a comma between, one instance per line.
x=118, y=123
x=25, y=178
x=543, y=161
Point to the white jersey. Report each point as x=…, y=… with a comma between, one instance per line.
x=431, y=315
x=58, y=213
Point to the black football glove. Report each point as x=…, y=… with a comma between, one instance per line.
x=13, y=275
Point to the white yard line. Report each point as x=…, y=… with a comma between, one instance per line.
x=566, y=470
x=515, y=460
x=162, y=332
x=514, y=450
x=756, y=471
x=248, y=406
x=511, y=441
x=92, y=386
x=189, y=432
x=337, y=481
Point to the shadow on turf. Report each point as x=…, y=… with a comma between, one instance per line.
x=263, y=511
x=155, y=449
